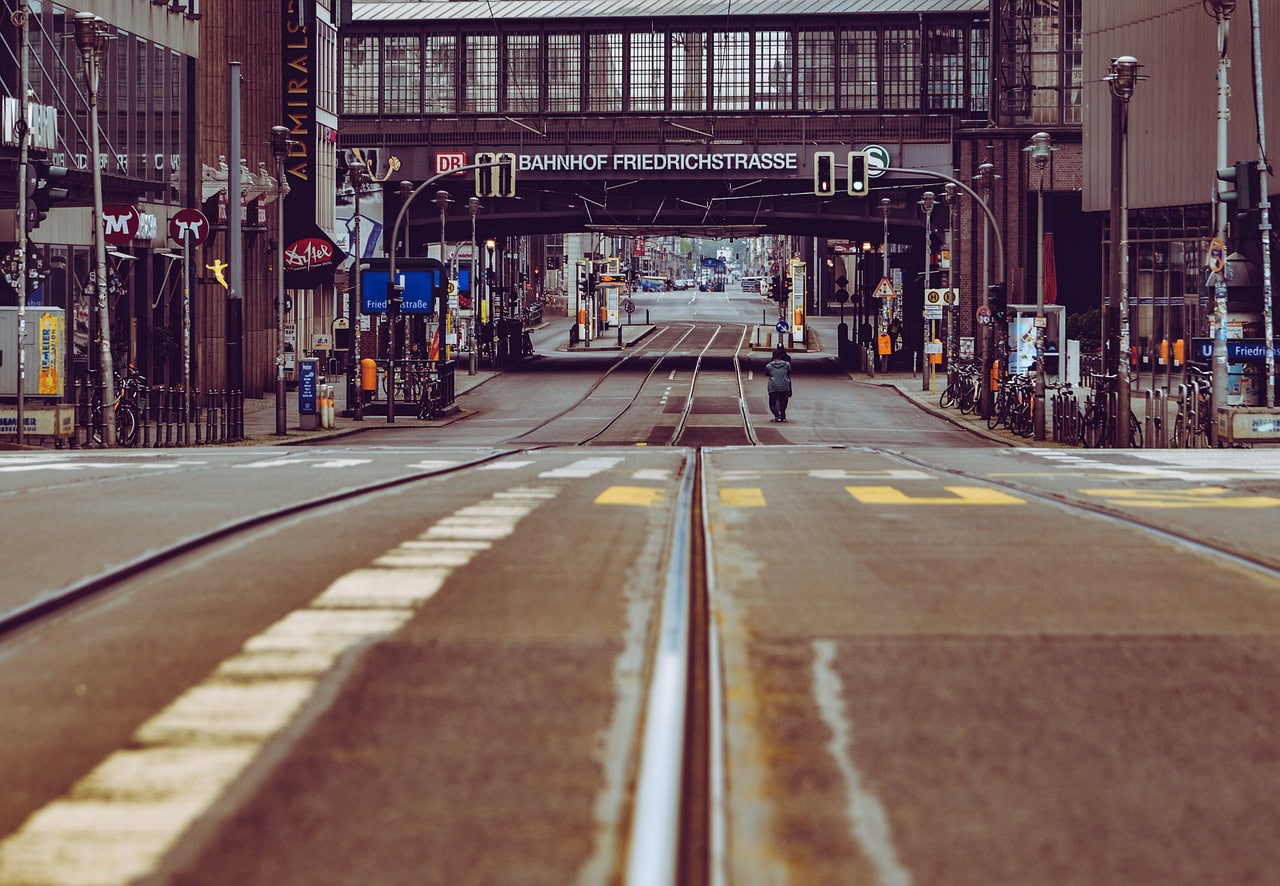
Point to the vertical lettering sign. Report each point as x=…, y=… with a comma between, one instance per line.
x=298, y=56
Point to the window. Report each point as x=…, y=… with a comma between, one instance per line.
x=481, y=74
x=648, y=72
x=1056, y=52
x=360, y=81
x=817, y=66
x=731, y=71
x=604, y=60
x=402, y=74
x=859, y=70
x=689, y=71
x=773, y=69
x=521, y=80
x=979, y=67
x=564, y=73
x=439, y=74
x=945, y=80
x=901, y=69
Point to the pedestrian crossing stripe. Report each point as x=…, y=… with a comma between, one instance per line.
x=632, y=496
x=960, y=495
x=742, y=497
x=1203, y=497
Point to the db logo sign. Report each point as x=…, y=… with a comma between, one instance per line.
x=450, y=161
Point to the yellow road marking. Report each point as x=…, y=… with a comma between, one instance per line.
x=1204, y=497
x=636, y=496
x=962, y=495
x=743, y=497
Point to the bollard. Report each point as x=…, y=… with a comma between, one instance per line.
x=1148, y=396
x=195, y=414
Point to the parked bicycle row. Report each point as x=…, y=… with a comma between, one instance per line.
x=153, y=415
x=1180, y=418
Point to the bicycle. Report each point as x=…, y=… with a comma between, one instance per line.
x=126, y=408
x=431, y=399
x=1099, y=416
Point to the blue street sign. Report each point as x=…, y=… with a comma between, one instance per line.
x=782, y=326
x=1239, y=350
x=419, y=291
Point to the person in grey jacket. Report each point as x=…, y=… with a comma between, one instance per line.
x=779, y=370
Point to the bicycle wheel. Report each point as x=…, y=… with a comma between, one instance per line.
x=1178, y=440
x=948, y=398
x=126, y=425
x=1091, y=429
x=1135, y=432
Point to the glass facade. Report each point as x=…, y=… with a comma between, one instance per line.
x=872, y=68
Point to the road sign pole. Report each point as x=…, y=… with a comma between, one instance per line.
x=186, y=338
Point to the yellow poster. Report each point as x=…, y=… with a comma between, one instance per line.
x=50, y=345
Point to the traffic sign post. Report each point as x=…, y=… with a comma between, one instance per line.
x=188, y=227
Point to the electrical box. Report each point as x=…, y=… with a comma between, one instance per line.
x=46, y=345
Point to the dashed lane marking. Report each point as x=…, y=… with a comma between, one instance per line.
x=742, y=497
x=960, y=495
x=1204, y=497
x=586, y=467
x=633, y=496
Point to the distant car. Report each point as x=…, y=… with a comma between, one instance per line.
x=751, y=284
x=652, y=284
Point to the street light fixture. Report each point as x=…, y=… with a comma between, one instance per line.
x=1041, y=148
x=927, y=201
x=279, y=149
x=1123, y=77
x=91, y=39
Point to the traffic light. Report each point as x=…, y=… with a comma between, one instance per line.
x=859, y=184
x=935, y=247
x=484, y=174
x=997, y=301
x=395, y=296
x=824, y=173
x=1244, y=197
x=505, y=175
x=46, y=190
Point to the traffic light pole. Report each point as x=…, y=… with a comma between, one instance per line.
x=24, y=157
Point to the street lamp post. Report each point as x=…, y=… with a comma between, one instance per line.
x=1040, y=148
x=279, y=148
x=951, y=194
x=927, y=202
x=986, y=180
x=355, y=305
x=885, y=305
x=1123, y=76
x=1222, y=10
x=91, y=38
x=473, y=205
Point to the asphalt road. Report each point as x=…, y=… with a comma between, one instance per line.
x=942, y=661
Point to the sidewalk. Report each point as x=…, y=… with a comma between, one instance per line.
x=260, y=414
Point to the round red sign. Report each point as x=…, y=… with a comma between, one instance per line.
x=189, y=223
x=120, y=224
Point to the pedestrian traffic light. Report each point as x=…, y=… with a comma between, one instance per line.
x=824, y=173
x=46, y=189
x=1244, y=197
x=395, y=296
x=997, y=302
x=505, y=186
x=484, y=174
x=859, y=184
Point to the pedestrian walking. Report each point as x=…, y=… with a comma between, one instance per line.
x=779, y=371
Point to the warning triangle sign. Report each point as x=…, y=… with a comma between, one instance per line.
x=885, y=289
